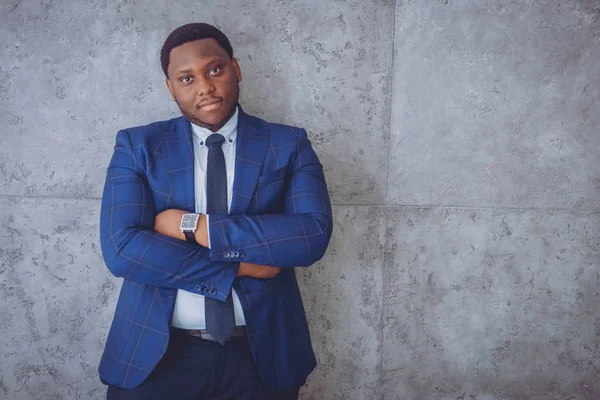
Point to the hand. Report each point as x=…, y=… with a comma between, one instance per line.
x=257, y=271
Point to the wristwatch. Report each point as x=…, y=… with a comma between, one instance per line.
x=188, y=225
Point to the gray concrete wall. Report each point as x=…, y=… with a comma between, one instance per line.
x=461, y=142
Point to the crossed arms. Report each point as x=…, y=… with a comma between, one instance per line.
x=134, y=250
x=167, y=223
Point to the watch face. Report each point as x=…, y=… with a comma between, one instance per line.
x=189, y=222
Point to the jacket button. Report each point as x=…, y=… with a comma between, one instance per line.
x=242, y=254
x=236, y=254
x=198, y=288
x=213, y=292
x=226, y=254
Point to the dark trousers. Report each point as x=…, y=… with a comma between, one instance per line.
x=197, y=369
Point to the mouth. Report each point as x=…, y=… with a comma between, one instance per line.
x=210, y=105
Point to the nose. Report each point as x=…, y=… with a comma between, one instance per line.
x=205, y=87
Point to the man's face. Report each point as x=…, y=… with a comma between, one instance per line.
x=203, y=80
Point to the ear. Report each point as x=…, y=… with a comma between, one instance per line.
x=237, y=69
x=168, y=82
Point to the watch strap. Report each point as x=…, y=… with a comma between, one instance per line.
x=190, y=237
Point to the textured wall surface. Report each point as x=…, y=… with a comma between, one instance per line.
x=492, y=304
x=461, y=143
x=492, y=270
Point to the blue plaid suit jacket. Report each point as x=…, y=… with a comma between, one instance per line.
x=280, y=215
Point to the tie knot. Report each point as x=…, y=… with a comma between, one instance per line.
x=215, y=138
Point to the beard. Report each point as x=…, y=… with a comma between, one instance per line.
x=203, y=124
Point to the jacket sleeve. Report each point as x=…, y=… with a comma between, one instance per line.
x=298, y=237
x=132, y=249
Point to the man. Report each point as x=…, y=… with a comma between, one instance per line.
x=204, y=217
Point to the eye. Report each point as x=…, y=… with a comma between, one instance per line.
x=185, y=79
x=215, y=70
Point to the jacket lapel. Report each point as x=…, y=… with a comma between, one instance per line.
x=251, y=147
x=178, y=152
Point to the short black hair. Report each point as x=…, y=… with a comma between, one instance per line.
x=189, y=33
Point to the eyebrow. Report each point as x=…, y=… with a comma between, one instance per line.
x=183, y=71
x=187, y=70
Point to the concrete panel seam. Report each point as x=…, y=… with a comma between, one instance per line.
x=387, y=206
x=19, y=196
x=434, y=206
x=386, y=223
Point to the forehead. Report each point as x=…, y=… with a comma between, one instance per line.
x=195, y=52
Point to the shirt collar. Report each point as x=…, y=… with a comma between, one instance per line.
x=229, y=131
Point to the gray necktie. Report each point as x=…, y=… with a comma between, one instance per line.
x=220, y=317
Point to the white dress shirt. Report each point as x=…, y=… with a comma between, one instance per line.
x=189, y=307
